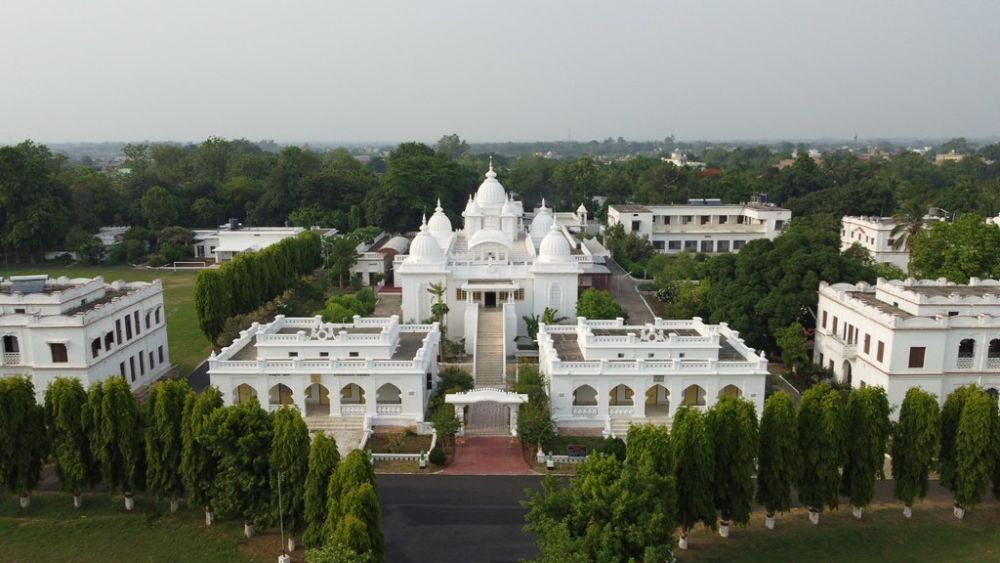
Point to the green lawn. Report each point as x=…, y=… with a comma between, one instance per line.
x=101, y=531
x=883, y=535
x=188, y=346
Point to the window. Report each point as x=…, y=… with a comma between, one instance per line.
x=95, y=347
x=142, y=364
x=674, y=245
x=868, y=343
x=740, y=219
x=635, y=225
x=707, y=246
x=686, y=220
x=621, y=355
x=658, y=244
x=324, y=354
x=835, y=325
x=118, y=330
x=739, y=244
x=460, y=294
x=128, y=327
x=19, y=311
x=352, y=354
x=722, y=246
x=952, y=313
x=148, y=315
x=691, y=245
x=131, y=365
x=824, y=319
x=121, y=369
x=109, y=339
x=519, y=295
x=967, y=348
x=157, y=315
x=723, y=219
x=151, y=362
x=293, y=354
x=430, y=381
x=916, y=357
x=651, y=355
x=138, y=327
x=705, y=219
x=58, y=350
x=881, y=351
x=994, y=350
x=779, y=224
x=666, y=219
x=159, y=353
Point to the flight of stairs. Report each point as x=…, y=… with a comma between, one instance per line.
x=619, y=426
x=347, y=431
x=489, y=349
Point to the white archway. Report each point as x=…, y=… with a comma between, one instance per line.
x=585, y=396
x=513, y=401
x=243, y=393
x=317, y=400
x=621, y=395
x=694, y=396
x=657, y=401
x=730, y=391
x=388, y=394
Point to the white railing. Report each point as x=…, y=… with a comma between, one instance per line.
x=621, y=411
x=585, y=411
x=352, y=410
x=992, y=363
x=388, y=410
x=11, y=359
x=964, y=363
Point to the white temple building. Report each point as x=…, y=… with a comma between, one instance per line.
x=606, y=375
x=500, y=266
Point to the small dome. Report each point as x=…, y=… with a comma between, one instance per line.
x=439, y=223
x=490, y=192
x=509, y=209
x=554, y=247
x=581, y=209
x=542, y=222
x=472, y=208
x=424, y=247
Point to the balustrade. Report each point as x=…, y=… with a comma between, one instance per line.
x=388, y=409
x=11, y=359
x=964, y=363
x=352, y=410
x=992, y=363
x=621, y=411
x=585, y=411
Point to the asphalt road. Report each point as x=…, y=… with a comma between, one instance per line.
x=469, y=519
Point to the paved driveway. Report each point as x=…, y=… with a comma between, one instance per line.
x=623, y=290
x=441, y=519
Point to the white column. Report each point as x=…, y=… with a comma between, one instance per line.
x=460, y=413
x=513, y=419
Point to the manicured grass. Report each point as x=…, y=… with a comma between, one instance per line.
x=560, y=444
x=410, y=444
x=188, y=346
x=883, y=535
x=101, y=531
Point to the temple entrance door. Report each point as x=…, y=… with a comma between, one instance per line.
x=490, y=299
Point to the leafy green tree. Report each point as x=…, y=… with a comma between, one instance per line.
x=452, y=146
x=341, y=256
x=821, y=447
x=951, y=414
x=323, y=460
x=350, y=518
x=867, y=419
x=792, y=342
x=779, y=455
x=159, y=208
x=650, y=440
x=198, y=462
x=337, y=553
x=915, y=444
x=597, y=304
x=975, y=449
x=117, y=440
x=164, y=441
x=212, y=302
x=23, y=444
x=65, y=401
x=957, y=251
x=33, y=204
x=732, y=423
x=695, y=471
x=535, y=428
x=91, y=251
x=240, y=437
x=290, y=465
x=440, y=308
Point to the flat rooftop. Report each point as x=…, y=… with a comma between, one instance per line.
x=948, y=290
x=406, y=346
x=630, y=208
x=868, y=298
x=568, y=348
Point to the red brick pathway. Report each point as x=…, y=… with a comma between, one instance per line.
x=488, y=455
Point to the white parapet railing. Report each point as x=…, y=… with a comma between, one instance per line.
x=585, y=411
x=388, y=409
x=11, y=359
x=352, y=410
x=621, y=411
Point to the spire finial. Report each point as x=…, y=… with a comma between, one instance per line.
x=438, y=208
x=491, y=163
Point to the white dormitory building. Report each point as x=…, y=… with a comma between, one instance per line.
x=229, y=240
x=935, y=335
x=82, y=328
x=606, y=375
x=503, y=264
x=372, y=368
x=703, y=225
x=874, y=234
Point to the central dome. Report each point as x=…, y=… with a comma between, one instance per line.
x=491, y=192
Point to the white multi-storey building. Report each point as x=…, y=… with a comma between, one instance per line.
x=82, y=328
x=371, y=368
x=232, y=239
x=915, y=333
x=874, y=234
x=703, y=225
x=606, y=374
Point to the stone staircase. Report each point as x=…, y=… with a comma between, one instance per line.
x=489, y=349
x=347, y=431
x=619, y=426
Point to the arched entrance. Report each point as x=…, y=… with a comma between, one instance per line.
x=847, y=376
x=317, y=400
x=694, y=396
x=352, y=400
x=243, y=394
x=730, y=391
x=388, y=400
x=657, y=401
x=486, y=411
x=280, y=395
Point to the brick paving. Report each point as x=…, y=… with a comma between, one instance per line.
x=488, y=455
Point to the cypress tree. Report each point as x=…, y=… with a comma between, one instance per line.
x=975, y=450
x=868, y=422
x=198, y=462
x=212, y=301
x=164, y=440
x=352, y=472
x=361, y=503
x=240, y=437
x=118, y=438
x=915, y=444
x=779, y=455
x=652, y=441
x=733, y=427
x=323, y=460
x=821, y=447
x=695, y=471
x=290, y=463
x=951, y=413
x=23, y=444
x=65, y=405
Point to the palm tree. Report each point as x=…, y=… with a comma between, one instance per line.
x=908, y=223
x=439, y=308
x=549, y=316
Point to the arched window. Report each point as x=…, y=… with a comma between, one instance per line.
x=967, y=348
x=352, y=394
x=994, y=349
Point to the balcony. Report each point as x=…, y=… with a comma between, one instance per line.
x=993, y=363
x=11, y=358
x=964, y=363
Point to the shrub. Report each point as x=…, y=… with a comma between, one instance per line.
x=394, y=441
x=612, y=446
x=437, y=456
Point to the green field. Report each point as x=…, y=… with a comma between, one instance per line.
x=883, y=535
x=188, y=346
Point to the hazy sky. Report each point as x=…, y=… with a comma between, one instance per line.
x=92, y=70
